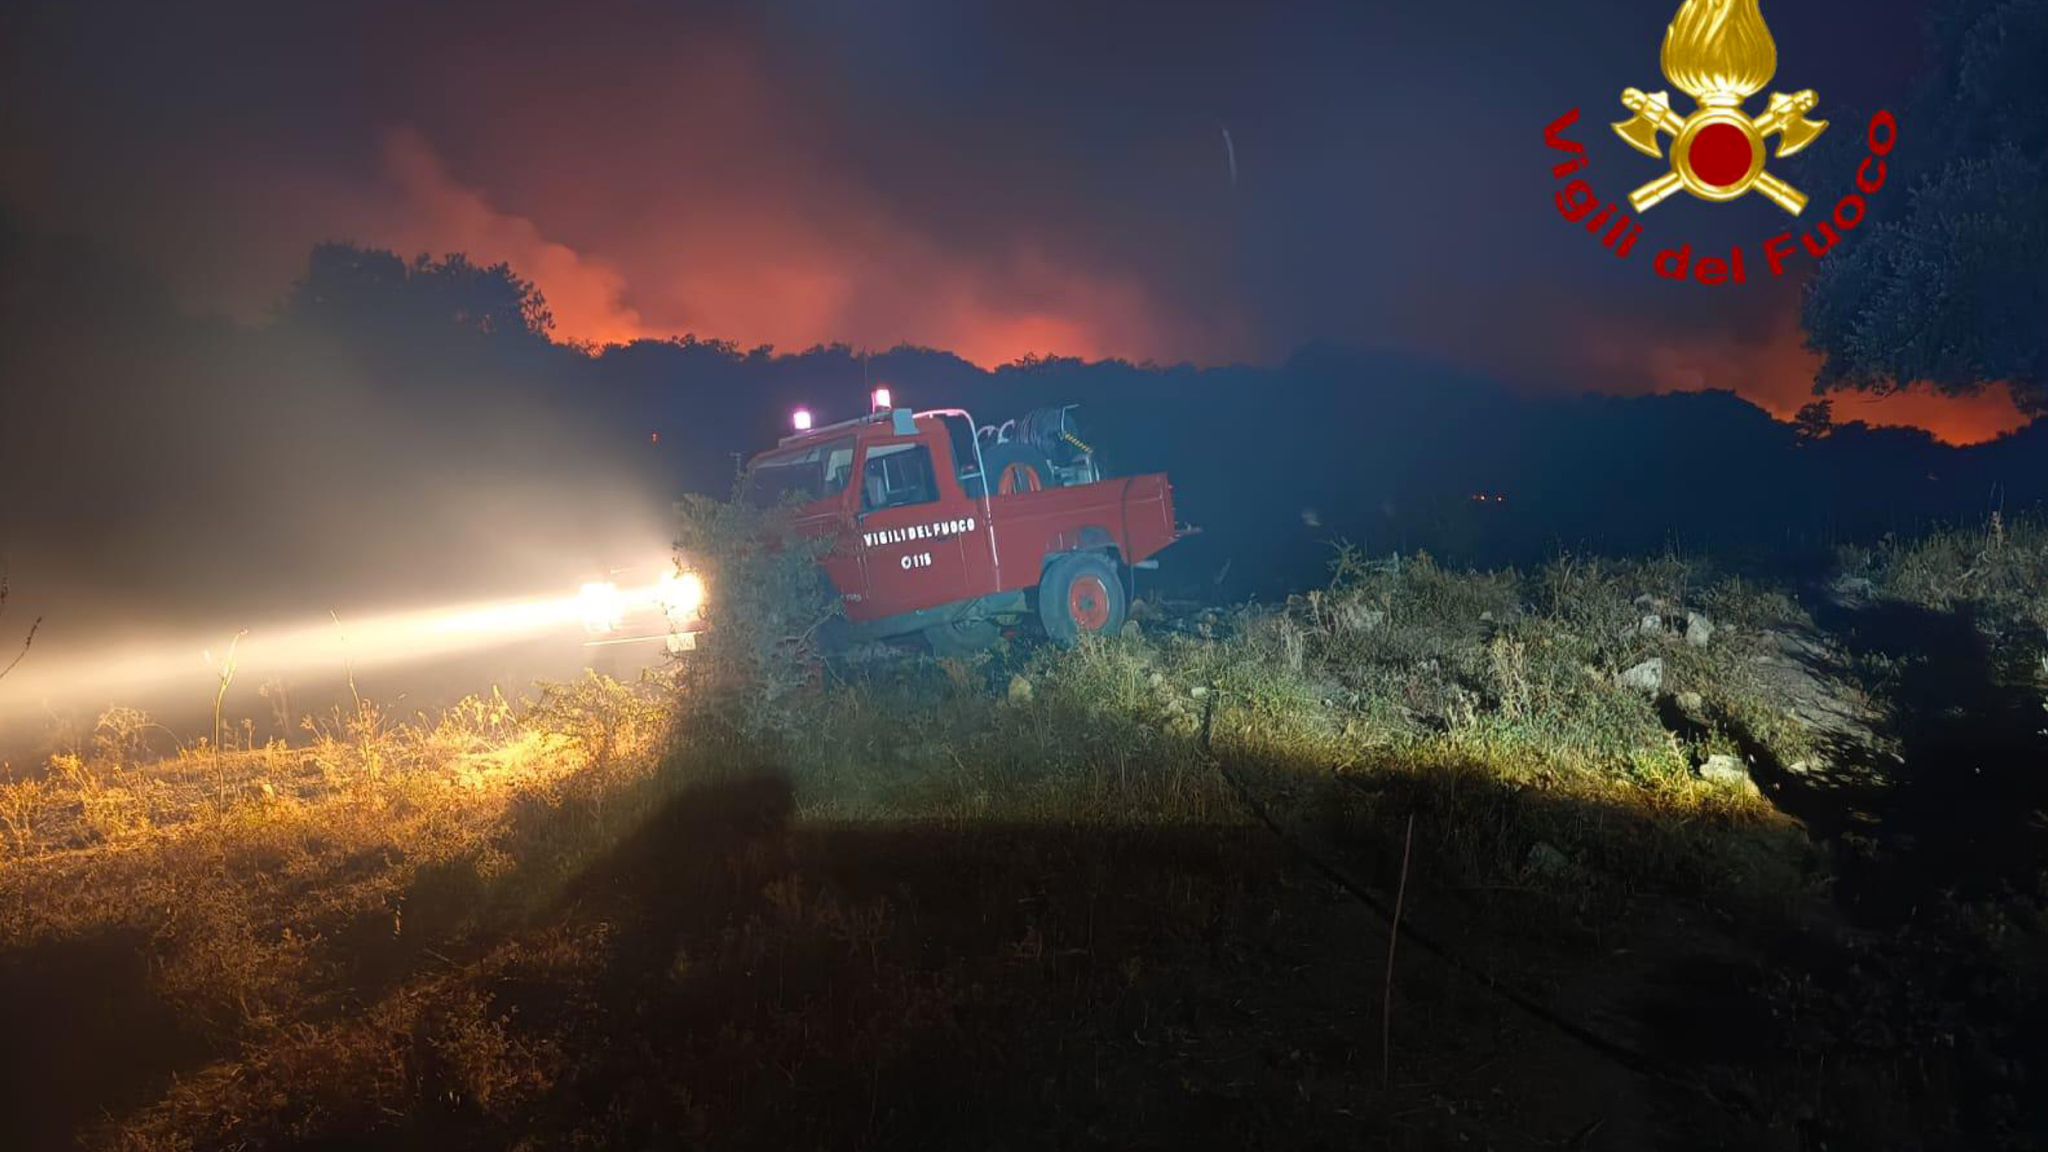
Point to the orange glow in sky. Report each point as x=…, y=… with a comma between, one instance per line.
x=762, y=273
x=751, y=271
x=1777, y=375
x=773, y=250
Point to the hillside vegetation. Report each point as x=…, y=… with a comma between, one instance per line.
x=1133, y=894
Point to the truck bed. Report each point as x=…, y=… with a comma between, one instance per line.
x=1132, y=513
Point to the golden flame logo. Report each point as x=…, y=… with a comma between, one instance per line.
x=1720, y=53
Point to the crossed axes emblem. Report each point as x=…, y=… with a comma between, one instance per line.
x=1717, y=153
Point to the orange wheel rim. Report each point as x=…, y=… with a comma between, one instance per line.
x=1088, y=603
x=1017, y=478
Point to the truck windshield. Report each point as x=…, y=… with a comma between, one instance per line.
x=801, y=476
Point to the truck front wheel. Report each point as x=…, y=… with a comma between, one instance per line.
x=1081, y=594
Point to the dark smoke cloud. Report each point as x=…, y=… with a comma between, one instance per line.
x=992, y=179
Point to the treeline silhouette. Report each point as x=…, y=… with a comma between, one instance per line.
x=410, y=428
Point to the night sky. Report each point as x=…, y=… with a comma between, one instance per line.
x=991, y=179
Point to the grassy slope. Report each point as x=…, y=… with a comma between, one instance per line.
x=1002, y=904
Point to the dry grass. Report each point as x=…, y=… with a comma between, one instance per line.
x=242, y=869
x=1999, y=568
x=434, y=916
x=1996, y=573
x=1517, y=676
x=1487, y=699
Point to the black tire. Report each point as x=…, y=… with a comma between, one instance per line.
x=997, y=458
x=1082, y=593
x=962, y=638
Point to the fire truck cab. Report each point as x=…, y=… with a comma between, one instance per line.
x=951, y=530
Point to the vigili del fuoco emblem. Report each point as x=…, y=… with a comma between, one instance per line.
x=1720, y=53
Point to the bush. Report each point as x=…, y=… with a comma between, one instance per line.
x=767, y=601
x=1999, y=571
x=605, y=718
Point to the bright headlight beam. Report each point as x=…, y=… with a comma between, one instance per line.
x=681, y=594
x=602, y=605
x=110, y=672
x=116, y=671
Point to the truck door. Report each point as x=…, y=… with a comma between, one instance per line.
x=913, y=522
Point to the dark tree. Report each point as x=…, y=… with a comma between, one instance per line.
x=366, y=286
x=1815, y=420
x=1951, y=285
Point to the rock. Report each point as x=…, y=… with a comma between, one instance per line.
x=1728, y=772
x=1698, y=629
x=1020, y=690
x=1806, y=648
x=1849, y=589
x=1691, y=703
x=1651, y=625
x=1545, y=860
x=1721, y=768
x=1130, y=630
x=1647, y=677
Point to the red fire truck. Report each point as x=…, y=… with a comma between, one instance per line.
x=953, y=531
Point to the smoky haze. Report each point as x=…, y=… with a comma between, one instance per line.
x=399, y=443
x=373, y=447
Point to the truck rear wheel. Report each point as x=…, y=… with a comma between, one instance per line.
x=1081, y=595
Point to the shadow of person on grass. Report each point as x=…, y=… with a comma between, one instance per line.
x=1929, y=839
x=1957, y=810
x=85, y=1036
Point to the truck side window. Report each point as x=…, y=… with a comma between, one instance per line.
x=897, y=475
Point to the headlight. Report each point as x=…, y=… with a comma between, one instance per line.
x=601, y=606
x=682, y=594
